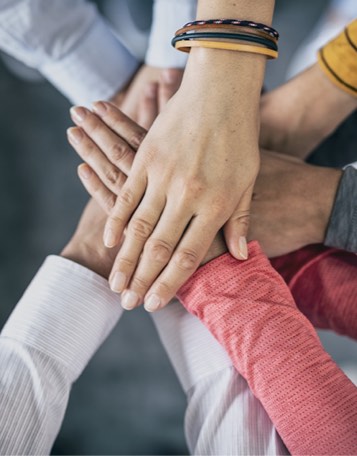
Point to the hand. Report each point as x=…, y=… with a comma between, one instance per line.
x=181, y=190
x=86, y=247
x=297, y=116
x=155, y=83
x=292, y=203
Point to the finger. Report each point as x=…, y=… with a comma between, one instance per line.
x=96, y=189
x=116, y=149
x=108, y=173
x=126, y=128
x=148, y=109
x=169, y=84
x=127, y=201
x=236, y=228
x=158, y=251
x=184, y=262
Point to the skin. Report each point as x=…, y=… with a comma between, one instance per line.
x=174, y=211
x=152, y=82
x=291, y=205
x=298, y=115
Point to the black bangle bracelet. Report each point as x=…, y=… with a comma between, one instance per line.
x=237, y=22
x=231, y=36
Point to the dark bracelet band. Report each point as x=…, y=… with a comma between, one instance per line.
x=238, y=23
x=228, y=36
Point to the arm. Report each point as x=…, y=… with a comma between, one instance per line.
x=163, y=203
x=250, y=311
x=60, y=39
x=297, y=116
x=222, y=415
x=48, y=340
x=163, y=68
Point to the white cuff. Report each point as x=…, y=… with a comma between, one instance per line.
x=194, y=352
x=169, y=16
x=66, y=313
x=94, y=70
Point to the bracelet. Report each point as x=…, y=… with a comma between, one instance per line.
x=236, y=22
x=186, y=45
x=230, y=36
x=227, y=29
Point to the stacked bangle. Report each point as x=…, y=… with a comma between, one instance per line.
x=229, y=34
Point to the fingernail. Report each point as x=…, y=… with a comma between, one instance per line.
x=129, y=300
x=78, y=113
x=75, y=135
x=152, y=303
x=243, y=248
x=117, y=284
x=100, y=108
x=109, y=238
x=85, y=172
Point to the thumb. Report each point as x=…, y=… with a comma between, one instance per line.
x=236, y=228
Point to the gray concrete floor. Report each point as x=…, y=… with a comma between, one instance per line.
x=128, y=401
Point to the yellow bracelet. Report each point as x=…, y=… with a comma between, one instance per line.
x=186, y=45
x=338, y=59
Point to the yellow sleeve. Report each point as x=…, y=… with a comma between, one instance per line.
x=338, y=59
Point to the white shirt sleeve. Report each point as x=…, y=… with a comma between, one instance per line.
x=62, y=319
x=168, y=16
x=222, y=415
x=69, y=43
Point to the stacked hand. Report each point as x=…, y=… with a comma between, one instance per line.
x=181, y=190
x=291, y=203
x=150, y=83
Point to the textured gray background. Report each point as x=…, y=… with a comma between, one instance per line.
x=128, y=401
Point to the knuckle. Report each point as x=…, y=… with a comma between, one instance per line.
x=137, y=138
x=126, y=198
x=193, y=187
x=159, y=250
x=88, y=150
x=112, y=175
x=119, y=152
x=140, y=229
x=140, y=283
x=124, y=264
x=108, y=202
x=93, y=125
x=187, y=260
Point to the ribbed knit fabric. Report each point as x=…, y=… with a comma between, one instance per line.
x=249, y=309
x=323, y=282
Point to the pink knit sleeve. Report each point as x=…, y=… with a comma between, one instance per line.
x=249, y=309
x=323, y=282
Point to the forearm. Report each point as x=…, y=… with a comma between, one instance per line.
x=250, y=311
x=233, y=75
x=45, y=36
x=219, y=401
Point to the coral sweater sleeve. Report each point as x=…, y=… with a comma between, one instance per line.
x=323, y=282
x=249, y=309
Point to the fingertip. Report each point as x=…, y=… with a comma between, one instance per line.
x=84, y=171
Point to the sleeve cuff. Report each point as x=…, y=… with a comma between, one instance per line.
x=95, y=69
x=66, y=313
x=169, y=16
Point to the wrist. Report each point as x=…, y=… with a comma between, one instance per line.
x=84, y=255
x=326, y=182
